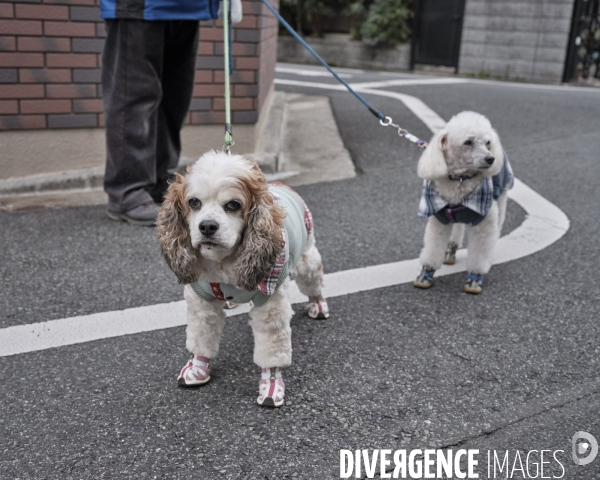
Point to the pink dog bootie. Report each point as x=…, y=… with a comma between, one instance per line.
x=196, y=372
x=271, y=388
x=317, y=308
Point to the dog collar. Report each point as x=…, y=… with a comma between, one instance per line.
x=460, y=178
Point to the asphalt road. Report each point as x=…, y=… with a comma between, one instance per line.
x=515, y=368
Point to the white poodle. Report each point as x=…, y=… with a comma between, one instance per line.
x=228, y=236
x=466, y=179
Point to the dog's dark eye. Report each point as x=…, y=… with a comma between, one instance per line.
x=195, y=203
x=468, y=143
x=488, y=143
x=232, y=206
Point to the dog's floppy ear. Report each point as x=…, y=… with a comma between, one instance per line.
x=174, y=235
x=432, y=164
x=498, y=153
x=262, y=240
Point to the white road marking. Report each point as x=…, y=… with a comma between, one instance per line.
x=544, y=224
x=316, y=68
x=414, y=104
x=411, y=81
x=328, y=86
x=562, y=88
x=310, y=73
x=433, y=121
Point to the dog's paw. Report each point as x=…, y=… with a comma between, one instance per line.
x=425, y=278
x=318, y=308
x=195, y=373
x=271, y=388
x=474, y=284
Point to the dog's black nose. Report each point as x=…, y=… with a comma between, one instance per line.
x=489, y=160
x=208, y=227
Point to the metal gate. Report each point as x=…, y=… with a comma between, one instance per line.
x=583, y=54
x=437, y=32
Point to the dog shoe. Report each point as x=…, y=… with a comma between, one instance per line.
x=474, y=283
x=317, y=308
x=425, y=278
x=271, y=388
x=450, y=257
x=196, y=372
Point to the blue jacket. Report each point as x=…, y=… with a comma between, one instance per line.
x=160, y=9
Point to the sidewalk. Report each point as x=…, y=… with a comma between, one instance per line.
x=296, y=141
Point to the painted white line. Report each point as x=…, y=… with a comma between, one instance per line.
x=412, y=81
x=538, y=86
x=316, y=68
x=414, y=104
x=328, y=86
x=495, y=83
x=310, y=73
x=544, y=224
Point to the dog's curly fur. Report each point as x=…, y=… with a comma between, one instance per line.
x=173, y=235
x=463, y=147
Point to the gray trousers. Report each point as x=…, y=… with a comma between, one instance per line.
x=147, y=81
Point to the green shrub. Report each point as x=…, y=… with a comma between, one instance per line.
x=387, y=23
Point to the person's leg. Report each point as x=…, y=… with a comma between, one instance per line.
x=180, y=49
x=131, y=89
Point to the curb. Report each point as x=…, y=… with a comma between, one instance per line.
x=83, y=179
x=290, y=144
x=268, y=139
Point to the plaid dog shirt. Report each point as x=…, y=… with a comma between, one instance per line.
x=474, y=207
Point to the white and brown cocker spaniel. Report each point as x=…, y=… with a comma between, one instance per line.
x=229, y=236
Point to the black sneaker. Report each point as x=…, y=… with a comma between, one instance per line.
x=144, y=214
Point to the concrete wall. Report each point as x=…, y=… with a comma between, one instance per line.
x=338, y=50
x=50, y=65
x=516, y=39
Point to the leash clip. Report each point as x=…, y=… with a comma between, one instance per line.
x=402, y=132
x=227, y=147
x=387, y=122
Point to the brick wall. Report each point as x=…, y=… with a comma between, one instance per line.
x=516, y=39
x=50, y=65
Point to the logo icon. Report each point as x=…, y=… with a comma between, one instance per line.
x=585, y=448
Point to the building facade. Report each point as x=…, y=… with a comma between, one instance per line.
x=517, y=39
x=50, y=65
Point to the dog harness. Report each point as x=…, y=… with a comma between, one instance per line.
x=475, y=206
x=297, y=226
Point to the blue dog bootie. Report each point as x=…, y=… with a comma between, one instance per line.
x=474, y=283
x=425, y=278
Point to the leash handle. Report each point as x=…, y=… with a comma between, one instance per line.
x=226, y=55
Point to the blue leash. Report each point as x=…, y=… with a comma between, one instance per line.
x=379, y=115
x=383, y=119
